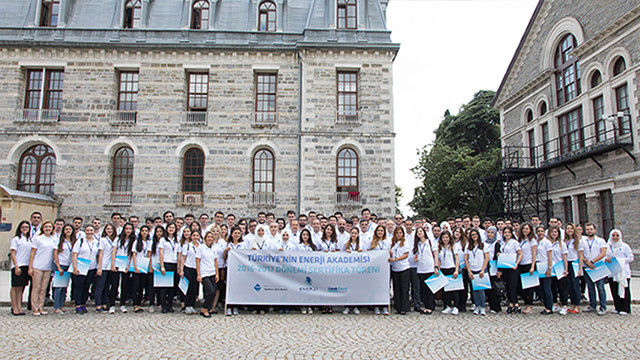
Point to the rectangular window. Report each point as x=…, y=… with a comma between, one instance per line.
x=348, y=96
x=622, y=105
x=50, y=13
x=128, y=91
x=198, y=92
x=44, y=89
x=545, y=141
x=598, y=118
x=266, y=92
x=532, y=147
x=606, y=208
x=347, y=14
x=132, y=14
x=583, y=214
x=570, y=130
x=568, y=209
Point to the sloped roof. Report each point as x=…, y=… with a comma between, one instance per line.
x=17, y=193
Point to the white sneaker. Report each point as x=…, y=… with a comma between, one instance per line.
x=589, y=309
x=623, y=313
x=614, y=311
x=447, y=310
x=454, y=311
x=473, y=307
x=356, y=311
x=556, y=308
x=376, y=311
x=563, y=311
x=152, y=309
x=235, y=311
x=385, y=311
x=303, y=310
x=345, y=311
x=112, y=310
x=602, y=312
x=482, y=312
x=190, y=310
x=229, y=313
x=476, y=311
x=123, y=309
x=309, y=311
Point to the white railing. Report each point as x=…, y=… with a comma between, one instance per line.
x=118, y=198
x=190, y=198
x=262, y=198
x=348, y=198
x=119, y=117
x=348, y=117
x=265, y=119
x=197, y=118
x=37, y=115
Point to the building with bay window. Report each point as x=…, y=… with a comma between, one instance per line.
x=569, y=116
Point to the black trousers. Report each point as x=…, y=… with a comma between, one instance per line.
x=526, y=294
x=450, y=298
x=137, y=286
x=192, y=291
x=428, y=297
x=560, y=287
x=166, y=293
x=621, y=303
x=512, y=278
x=401, y=281
x=209, y=287
x=81, y=284
x=494, y=299
x=123, y=278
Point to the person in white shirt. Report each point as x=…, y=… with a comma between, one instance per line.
x=219, y=234
x=329, y=241
x=425, y=256
x=20, y=250
x=188, y=270
x=353, y=245
x=529, y=248
x=235, y=243
x=248, y=237
x=316, y=232
x=510, y=276
x=342, y=233
x=106, y=272
x=62, y=261
x=477, y=259
x=36, y=218
x=87, y=249
x=364, y=232
x=544, y=263
x=595, y=250
x=122, y=272
x=139, y=254
x=620, y=282
x=169, y=254
x=305, y=244
x=154, y=265
x=259, y=241
x=41, y=265
x=449, y=259
x=400, y=273
x=207, y=269
x=575, y=251
x=559, y=281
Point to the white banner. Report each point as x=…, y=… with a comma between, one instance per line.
x=307, y=278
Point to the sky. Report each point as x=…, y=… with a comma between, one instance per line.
x=449, y=50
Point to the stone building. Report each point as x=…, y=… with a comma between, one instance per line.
x=140, y=106
x=569, y=111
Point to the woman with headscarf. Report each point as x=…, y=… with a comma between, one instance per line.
x=493, y=245
x=619, y=283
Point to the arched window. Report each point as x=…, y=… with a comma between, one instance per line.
x=132, y=14
x=263, y=172
x=200, y=15
x=529, y=115
x=347, y=171
x=619, y=66
x=193, y=171
x=37, y=169
x=596, y=78
x=543, y=108
x=267, y=16
x=347, y=14
x=567, y=70
x=123, y=170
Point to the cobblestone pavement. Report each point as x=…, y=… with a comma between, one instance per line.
x=336, y=336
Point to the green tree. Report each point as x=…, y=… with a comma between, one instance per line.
x=467, y=147
x=398, y=197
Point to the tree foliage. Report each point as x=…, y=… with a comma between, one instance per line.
x=467, y=147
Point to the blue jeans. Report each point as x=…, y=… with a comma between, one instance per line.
x=415, y=288
x=478, y=295
x=602, y=294
x=60, y=293
x=547, y=295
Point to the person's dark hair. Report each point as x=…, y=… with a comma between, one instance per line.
x=510, y=231
x=139, y=241
x=36, y=213
x=470, y=242
x=417, y=239
x=235, y=228
x=58, y=220
x=451, y=218
x=190, y=215
x=123, y=236
x=116, y=214
x=113, y=234
x=499, y=219
x=166, y=231
x=148, y=220
x=333, y=237
x=167, y=212
x=302, y=216
x=18, y=233
x=231, y=216
x=466, y=216
x=78, y=218
x=156, y=238
x=441, y=244
x=72, y=237
x=532, y=232
x=311, y=244
x=218, y=213
x=291, y=212
x=363, y=210
x=157, y=218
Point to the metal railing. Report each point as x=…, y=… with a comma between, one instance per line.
x=347, y=117
x=118, y=198
x=37, y=115
x=196, y=118
x=348, y=198
x=262, y=198
x=121, y=117
x=583, y=142
x=265, y=119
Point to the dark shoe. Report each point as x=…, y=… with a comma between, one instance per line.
x=138, y=310
x=403, y=313
x=546, y=312
x=205, y=315
x=14, y=314
x=165, y=310
x=510, y=310
x=171, y=310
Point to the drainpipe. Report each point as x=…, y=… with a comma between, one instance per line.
x=300, y=89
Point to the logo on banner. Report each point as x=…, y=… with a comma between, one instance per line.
x=257, y=287
x=309, y=285
x=308, y=281
x=337, y=289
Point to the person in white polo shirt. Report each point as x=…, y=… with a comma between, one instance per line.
x=595, y=249
x=206, y=268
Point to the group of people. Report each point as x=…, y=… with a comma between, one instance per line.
x=116, y=262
